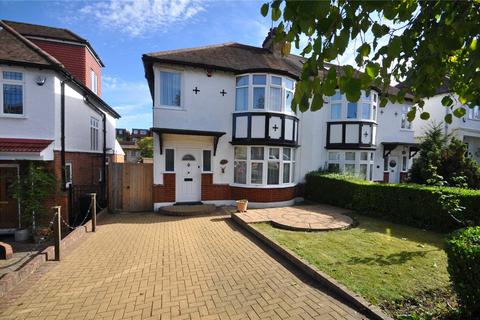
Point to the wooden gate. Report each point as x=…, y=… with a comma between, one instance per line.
x=131, y=186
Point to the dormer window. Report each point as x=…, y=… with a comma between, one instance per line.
x=263, y=92
x=170, y=89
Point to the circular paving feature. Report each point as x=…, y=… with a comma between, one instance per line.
x=301, y=218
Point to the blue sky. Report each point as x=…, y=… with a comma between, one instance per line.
x=121, y=31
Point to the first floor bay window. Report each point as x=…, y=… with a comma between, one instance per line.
x=258, y=165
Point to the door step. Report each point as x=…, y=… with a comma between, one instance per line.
x=188, y=210
x=190, y=203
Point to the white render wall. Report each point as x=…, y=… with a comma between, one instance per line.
x=42, y=114
x=210, y=111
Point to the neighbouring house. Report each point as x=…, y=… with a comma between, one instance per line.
x=224, y=129
x=128, y=142
x=51, y=112
x=466, y=129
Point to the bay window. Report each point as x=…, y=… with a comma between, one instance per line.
x=12, y=93
x=170, y=89
x=265, y=165
x=363, y=109
x=357, y=163
x=474, y=113
x=351, y=110
x=263, y=92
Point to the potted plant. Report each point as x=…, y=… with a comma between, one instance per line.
x=242, y=205
x=35, y=185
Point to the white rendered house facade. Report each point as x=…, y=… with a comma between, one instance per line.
x=224, y=129
x=466, y=129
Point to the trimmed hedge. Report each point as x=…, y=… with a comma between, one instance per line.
x=463, y=251
x=409, y=204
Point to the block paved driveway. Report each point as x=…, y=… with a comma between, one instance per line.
x=147, y=266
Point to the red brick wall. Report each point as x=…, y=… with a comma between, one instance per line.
x=386, y=177
x=77, y=59
x=86, y=167
x=165, y=192
x=72, y=56
x=212, y=191
x=92, y=64
x=403, y=177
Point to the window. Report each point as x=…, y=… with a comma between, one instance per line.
x=366, y=111
x=94, y=81
x=289, y=86
x=405, y=123
x=241, y=97
x=240, y=165
x=207, y=160
x=12, y=92
x=351, y=110
x=474, y=113
x=385, y=164
x=404, y=163
x=170, y=89
x=266, y=165
x=259, y=84
x=273, y=175
x=276, y=94
x=93, y=134
x=169, y=160
x=358, y=163
x=68, y=174
x=336, y=111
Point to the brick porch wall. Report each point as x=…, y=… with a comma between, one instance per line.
x=165, y=192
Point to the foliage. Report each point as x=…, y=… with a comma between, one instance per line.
x=443, y=161
x=386, y=263
x=35, y=185
x=425, y=44
x=409, y=204
x=146, y=147
x=463, y=250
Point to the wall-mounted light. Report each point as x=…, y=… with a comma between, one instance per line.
x=209, y=72
x=40, y=80
x=223, y=164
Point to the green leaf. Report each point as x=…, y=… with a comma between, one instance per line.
x=425, y=115
x=411, y=114
x=364, y=49
x=459, y=112
x=447, y=101
x=448, y=118
x=264, y=9
x=317, y=102
x=276, y=13
x=330, y=83
x=372, y=69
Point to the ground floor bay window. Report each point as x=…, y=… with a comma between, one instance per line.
x=351, y=162
x=264, y=166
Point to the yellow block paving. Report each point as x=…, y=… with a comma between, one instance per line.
x=147, y=266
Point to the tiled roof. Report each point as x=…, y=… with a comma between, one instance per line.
x=35, y=30
x=23, y=145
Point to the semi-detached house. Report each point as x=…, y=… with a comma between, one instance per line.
x=224, y=128
x=51, y=112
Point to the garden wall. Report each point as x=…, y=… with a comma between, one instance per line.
x=409, y=204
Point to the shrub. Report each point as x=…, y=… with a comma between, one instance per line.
x=411, y=204
x=463, y=251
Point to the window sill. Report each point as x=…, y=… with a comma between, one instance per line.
x=171, y=108
x=13, y=116
x=406, y=130
x=264, y=186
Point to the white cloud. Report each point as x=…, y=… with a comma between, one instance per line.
x=137, y=17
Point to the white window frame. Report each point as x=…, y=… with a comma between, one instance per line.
x=404, y=123
x=182, y=91
x=268, y=85
x=211, y=160
x=94, y=134
x=13, y=82
x=371, y=100
x=341, y=160
x=68, y=169
x=94, y=81
x=474, y=113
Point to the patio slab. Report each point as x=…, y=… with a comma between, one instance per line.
x=301, y=218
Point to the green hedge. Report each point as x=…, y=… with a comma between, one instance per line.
x=409, y=204
x=463, y=251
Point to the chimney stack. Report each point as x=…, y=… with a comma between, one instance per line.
x=271, y=45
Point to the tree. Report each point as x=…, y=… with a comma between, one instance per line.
x=146, y=147
x=443, y=160
x=35, y=185
x=424, y=44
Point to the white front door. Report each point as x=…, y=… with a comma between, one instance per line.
x=188, y=177
x=394, y=176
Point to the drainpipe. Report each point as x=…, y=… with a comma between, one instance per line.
x=62, y=134
x=104, y=159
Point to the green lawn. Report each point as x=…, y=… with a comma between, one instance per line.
x=381, y=261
